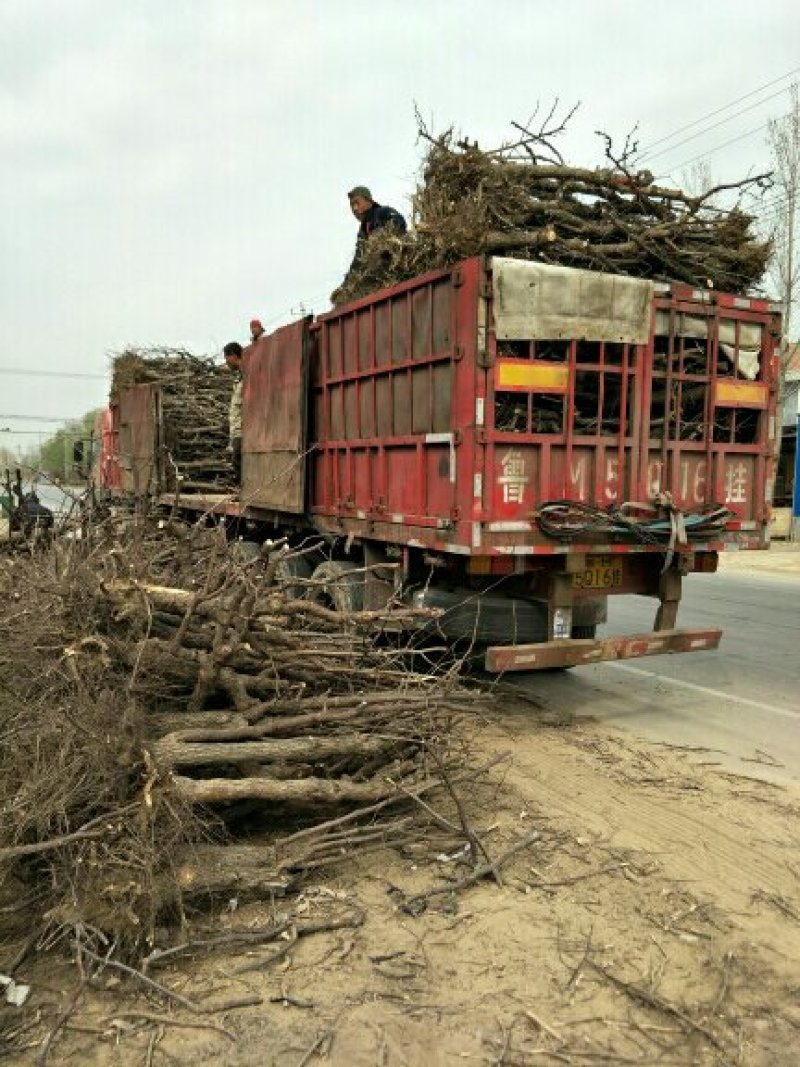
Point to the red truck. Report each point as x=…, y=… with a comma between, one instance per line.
x=520, y=440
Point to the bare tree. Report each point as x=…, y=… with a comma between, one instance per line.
x=784, y=142
x=697, y=179
x=8, y=458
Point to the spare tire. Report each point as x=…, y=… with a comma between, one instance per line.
x=485, y=618
x=244, y=552
x=338, y=586
x=288, y=569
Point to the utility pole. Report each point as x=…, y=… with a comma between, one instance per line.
x=795, y=530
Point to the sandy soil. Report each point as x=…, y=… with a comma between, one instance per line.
x=782, y=557
x=656, y=920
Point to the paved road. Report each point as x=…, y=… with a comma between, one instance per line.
x=742, y=700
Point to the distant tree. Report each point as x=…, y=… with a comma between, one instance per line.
x=697, y=179
x=783, y=137
x=8, y=458
x=54, y=457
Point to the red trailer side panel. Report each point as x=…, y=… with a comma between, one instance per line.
x=274, y=420
x=106, y=471
x=394, y=386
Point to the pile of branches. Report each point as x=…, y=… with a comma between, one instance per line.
x=180, y=724
x=523, y=200
x=195, y=400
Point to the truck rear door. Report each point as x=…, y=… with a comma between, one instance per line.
x=607, y=389
x=708, y=432
x=139, y=416
x=274, y=420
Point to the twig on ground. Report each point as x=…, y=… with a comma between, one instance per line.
x=170, y=1020
x=315, y=1047
x=417, y=903
x=652, y=1000
x=170, y=994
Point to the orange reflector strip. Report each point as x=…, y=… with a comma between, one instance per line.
x=526, y=375
x=479, y=565
x=741, y=394
x=490, y=565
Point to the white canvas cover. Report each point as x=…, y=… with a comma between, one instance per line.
x=539, y=301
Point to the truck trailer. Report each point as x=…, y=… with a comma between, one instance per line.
x=505, y=441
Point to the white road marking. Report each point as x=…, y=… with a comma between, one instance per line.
x=728, y=697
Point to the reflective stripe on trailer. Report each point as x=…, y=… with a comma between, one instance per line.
x=574, y=652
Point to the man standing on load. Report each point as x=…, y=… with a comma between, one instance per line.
x=233, y=360
x=373, y=217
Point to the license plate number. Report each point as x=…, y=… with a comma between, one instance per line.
x=602, y=572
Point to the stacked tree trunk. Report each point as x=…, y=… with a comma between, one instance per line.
x=281, y=699
x=164, y=686
x=195, y=401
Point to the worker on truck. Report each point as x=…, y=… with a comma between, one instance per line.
x=256, y=330
x=373, y=217
x=233, y=360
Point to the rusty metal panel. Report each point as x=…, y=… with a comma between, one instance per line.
x=442, y=316
x=680, y=414
x=139, y=439
x=389, y=438
x=572, y=653
x=709, y=412
x=106, y=470
x=274, y=419
x=412, y=383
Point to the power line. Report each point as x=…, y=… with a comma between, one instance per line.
x=707, y=129
x=28, y=372
x=719, y=110
x=291, y=310
x=724, y=144
x=776, y=206
x=42, y=418
x=774, y=216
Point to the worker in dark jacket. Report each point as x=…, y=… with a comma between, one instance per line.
x=373, y=217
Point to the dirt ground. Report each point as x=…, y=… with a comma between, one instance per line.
x=655, y=920
x=782, y=557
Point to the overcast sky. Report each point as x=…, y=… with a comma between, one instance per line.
x=170, y=168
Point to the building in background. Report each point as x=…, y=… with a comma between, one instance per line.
x=784, y=474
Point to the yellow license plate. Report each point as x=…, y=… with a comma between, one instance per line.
x=602, y=572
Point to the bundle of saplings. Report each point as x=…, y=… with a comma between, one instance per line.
x=523, y=200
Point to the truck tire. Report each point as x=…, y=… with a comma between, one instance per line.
x=485, y=618
x=244, y=552
x=338, y=586
x=288, y=570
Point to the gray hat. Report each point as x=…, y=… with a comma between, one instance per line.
x=360, y=190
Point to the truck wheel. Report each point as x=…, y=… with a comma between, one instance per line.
x=288, y=570
x=337, y=586
x=244, y=552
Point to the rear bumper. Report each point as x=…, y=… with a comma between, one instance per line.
x=573, y=653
